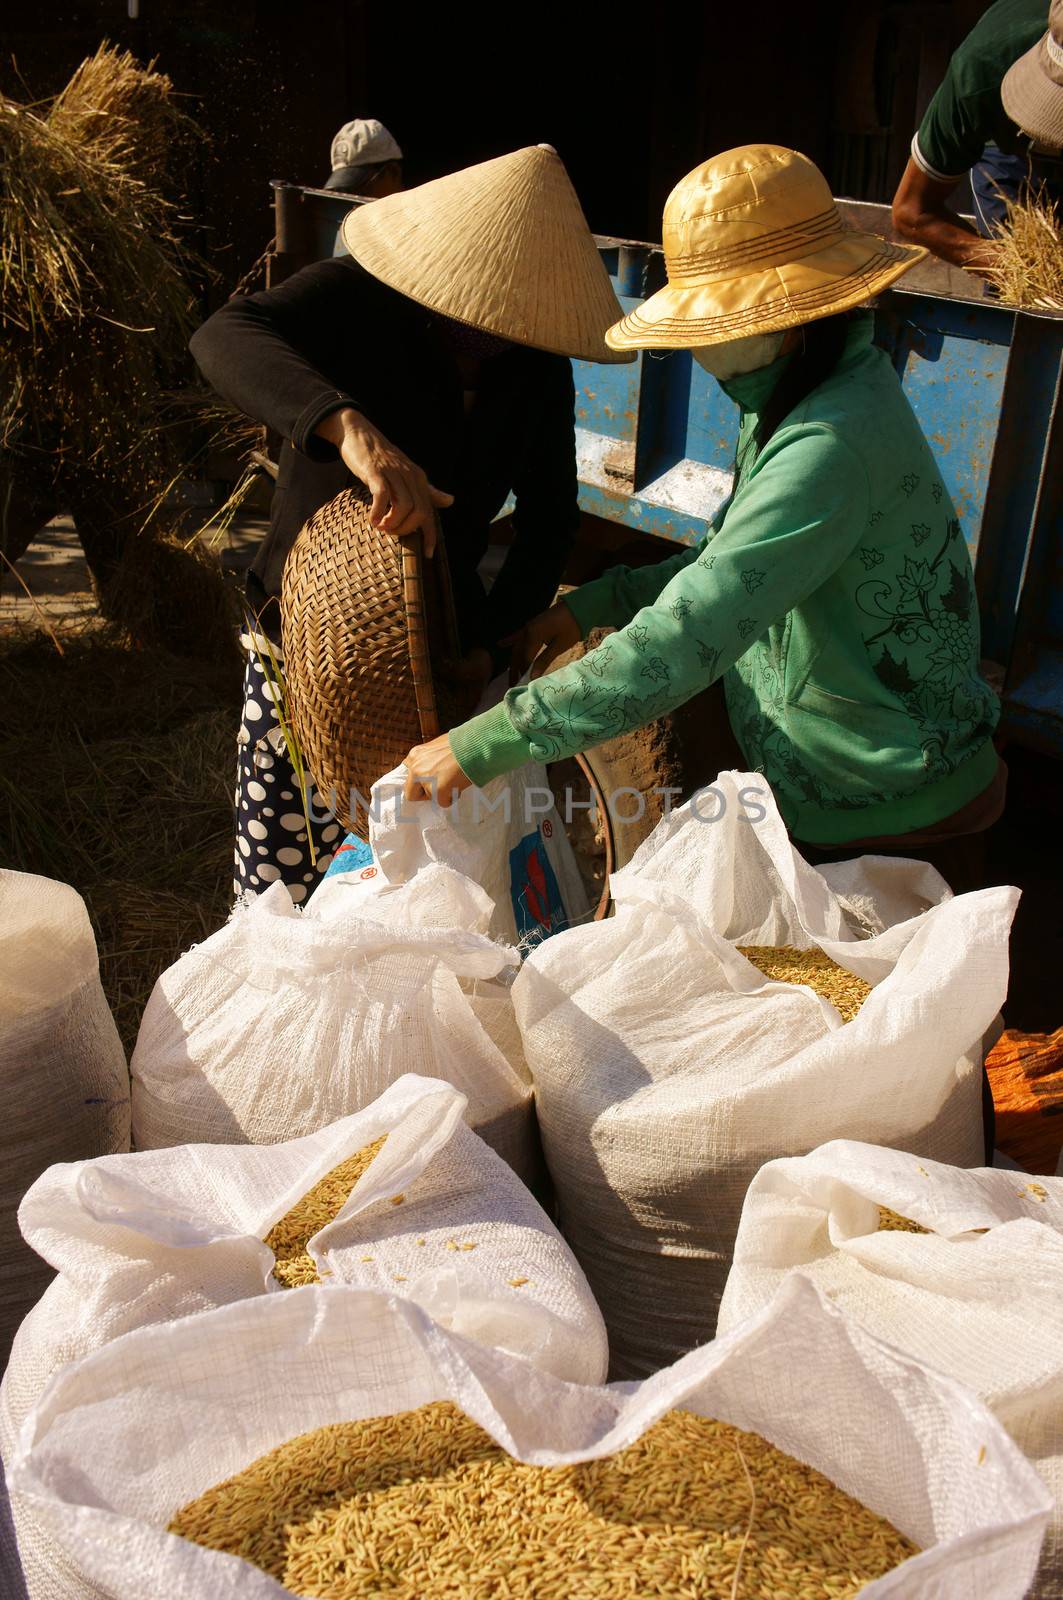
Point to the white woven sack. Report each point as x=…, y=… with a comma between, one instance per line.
x=126, y=1437
x=667, y=1069
x=507, y=837
x=63, y=1075
x=983, y=1307
x=281, y=1023
x=146, y=1238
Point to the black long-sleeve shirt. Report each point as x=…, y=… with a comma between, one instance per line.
x=333, y=336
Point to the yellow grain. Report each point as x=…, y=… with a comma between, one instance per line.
x=288, y=1238
x=845, y=991
x=892, y=1222
x=425, y=1505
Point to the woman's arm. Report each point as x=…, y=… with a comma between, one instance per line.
x=263, y=353
x=796, y=518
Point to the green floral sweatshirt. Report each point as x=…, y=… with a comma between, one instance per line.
x=835, y=592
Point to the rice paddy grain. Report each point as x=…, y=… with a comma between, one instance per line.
x=845, y=991
x=426, y=1505
x=289, y=1237
x=892, y=1222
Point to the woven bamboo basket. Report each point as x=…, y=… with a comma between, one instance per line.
x=363, y=617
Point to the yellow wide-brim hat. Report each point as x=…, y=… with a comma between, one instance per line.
x=502, y=246
x=753, y=243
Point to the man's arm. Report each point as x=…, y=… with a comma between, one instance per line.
x=921, y=213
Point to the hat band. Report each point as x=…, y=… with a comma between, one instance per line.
x=1055, y=51
x=786, y=309
x=773, y=249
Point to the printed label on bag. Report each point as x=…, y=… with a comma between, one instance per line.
x=537, y=905
x=352, y=855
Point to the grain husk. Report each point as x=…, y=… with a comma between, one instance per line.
x=425, y=1504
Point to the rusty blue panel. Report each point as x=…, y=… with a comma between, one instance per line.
x=952, y=361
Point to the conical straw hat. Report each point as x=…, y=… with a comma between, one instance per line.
x=503, y=246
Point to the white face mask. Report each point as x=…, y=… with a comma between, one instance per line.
x=727, y=360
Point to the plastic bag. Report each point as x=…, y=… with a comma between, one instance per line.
x=62, y=1067
x=146, y=1238
x=126, y=1437
x=281, y=1023
x=982, y=1306
x=507, y=837
x=668, y=1069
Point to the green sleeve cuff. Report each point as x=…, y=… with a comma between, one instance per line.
x=593, y=604
x=488, y=745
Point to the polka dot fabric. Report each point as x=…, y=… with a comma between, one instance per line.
x=271, y=831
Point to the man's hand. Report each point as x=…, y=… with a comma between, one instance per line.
x=541, y=641
x=921, y=214
x=433, y=774
x=403, y=499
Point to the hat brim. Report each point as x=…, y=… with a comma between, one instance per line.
x=460, y=295
x=1032, y=100
x=851, y=270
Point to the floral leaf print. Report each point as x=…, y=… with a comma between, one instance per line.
x=746, y=627
x=954, y=529
x=916, y=579
x=874, y=519
x=708, y=657
x=597, y=661
x=656, y=669
x=752, y=579
x=639, y=635
x=957, y=598
x=937, y=491
x=538, y=726
x=681, y=608
x=893, y=674
x=871, y=558
x=708, y=560
x=920, y=533
x=910, y=483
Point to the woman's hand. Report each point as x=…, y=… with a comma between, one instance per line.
x=541, y=641
x=433, y=774
x=403, y=499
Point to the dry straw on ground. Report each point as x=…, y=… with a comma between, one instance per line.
x=1028, y=260
x=782, y=963
x=289, y=1237
x=116, y=774
x=426, y=1505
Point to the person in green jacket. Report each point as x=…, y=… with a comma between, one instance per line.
x=834, y=592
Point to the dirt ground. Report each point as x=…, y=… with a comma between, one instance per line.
x=116, y=774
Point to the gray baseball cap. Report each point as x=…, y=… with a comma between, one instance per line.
x=363, y=143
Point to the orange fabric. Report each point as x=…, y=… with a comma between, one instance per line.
x=1026, y=1076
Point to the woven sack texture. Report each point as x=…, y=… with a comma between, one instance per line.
x=977, y=1295
x=62, y=1067
x=668, y=1069
x=146, y=1238
x=125, y=1437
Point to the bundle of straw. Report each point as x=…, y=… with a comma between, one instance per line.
x=96, y=307
x=1028, y=261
